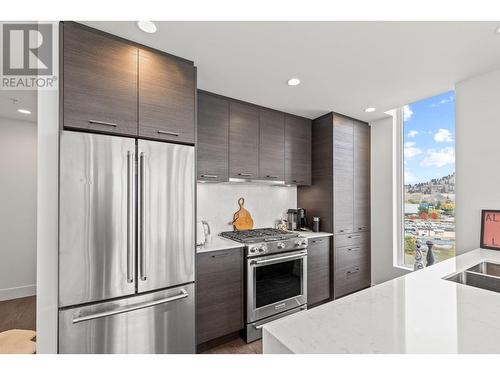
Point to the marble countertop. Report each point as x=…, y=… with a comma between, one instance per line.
x=310, y=234
x=216, y=243
x=416, y=313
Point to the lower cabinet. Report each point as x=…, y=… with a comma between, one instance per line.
x=351, y=263
x=219, y=294
x=318, y=270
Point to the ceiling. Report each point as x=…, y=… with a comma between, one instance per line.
x=26, y=99
x=344, y=66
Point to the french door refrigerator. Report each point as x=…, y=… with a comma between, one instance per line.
x=126, y=245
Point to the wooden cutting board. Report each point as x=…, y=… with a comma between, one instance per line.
x=242, y=220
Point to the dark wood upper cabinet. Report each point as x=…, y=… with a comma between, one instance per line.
x=318, y=270
x=297, y=150
x=272, y=146
x=212, y=137
x=361, y=176
x=219, y=294
x=99, y=82
x=243, y=141
x=166, y=97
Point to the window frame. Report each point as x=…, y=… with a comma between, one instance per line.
x=398, y=185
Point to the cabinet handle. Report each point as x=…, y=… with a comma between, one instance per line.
x=362, y=228
x=209, y=176
x=112, y=124
x=168, y=133
x=353, y=271
x=317, y=241
x=221, y=254
x=353, y=237
x=297, y=181
x=271, y=176
x=342, y=231
x=353, y=248
x=245, y=174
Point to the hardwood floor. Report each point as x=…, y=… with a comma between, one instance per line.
x=237, y=346
x=18, y=313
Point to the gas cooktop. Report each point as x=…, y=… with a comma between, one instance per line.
x=259, y=235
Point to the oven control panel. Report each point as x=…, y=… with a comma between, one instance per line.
x=272, y=247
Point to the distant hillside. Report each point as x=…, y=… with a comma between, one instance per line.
x=444, y=185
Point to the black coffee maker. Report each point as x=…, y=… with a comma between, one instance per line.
x=301, y=219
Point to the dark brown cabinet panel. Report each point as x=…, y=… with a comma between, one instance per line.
x=99, y=82
x=272, y=145
x=351, y=263
x=361, y=176
x=318, y=270
x=219, y=294
x=212, y=138
x=297, y=150
x=166, y=97
x=351, y=279
x=243, y=141
x=343, y=174
x=340, y=195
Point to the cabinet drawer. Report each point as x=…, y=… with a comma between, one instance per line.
x=318, y=243
x=349, y=256
x=351, y=279
x=219, y=294
x=352, y=239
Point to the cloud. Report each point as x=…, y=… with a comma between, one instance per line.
x=407, y=112
x=444, y=101
x=443, y=135
x=409, y=177
x=412, y=133
x=439, y=158
x=410, y=150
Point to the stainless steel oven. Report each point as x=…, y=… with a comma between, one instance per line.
x=275, y=284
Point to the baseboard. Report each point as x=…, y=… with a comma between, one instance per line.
x=19, y=292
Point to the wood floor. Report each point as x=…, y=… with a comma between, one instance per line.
x=18, y=313
x=237, y=346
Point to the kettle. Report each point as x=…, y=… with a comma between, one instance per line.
x=202, y=232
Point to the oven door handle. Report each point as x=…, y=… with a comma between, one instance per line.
x=286, y=257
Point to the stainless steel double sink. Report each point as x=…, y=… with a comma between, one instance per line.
x=485, y=275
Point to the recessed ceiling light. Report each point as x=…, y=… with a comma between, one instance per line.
x=497, y=30
x=147, y=26
x=24, y=111
x=293, y=82
x=370, y=109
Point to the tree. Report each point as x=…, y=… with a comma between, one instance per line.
x=410, y=244
x=448, y=207
x=424, y=216
x=435, y=215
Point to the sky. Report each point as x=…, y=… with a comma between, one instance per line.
x=429, y=138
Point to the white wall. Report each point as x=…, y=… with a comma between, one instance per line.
x=382, y=201
x=17, y=208
x=477, y=155
x=217, y=203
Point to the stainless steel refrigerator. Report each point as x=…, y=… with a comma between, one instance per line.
x=126, y=245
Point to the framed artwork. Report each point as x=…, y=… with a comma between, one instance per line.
x=490, y=229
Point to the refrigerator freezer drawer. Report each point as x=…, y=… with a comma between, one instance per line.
x=156, y=323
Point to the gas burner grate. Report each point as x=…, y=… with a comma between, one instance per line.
x=258, y=235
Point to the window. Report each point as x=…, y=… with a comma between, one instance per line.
x=427, y=178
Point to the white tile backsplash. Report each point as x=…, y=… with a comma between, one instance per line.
x=217, y=203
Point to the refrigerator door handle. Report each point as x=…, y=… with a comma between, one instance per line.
x=130, y=217
x=78, y=318
x=142, y=215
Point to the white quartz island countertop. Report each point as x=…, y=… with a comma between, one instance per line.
x=416, y=313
